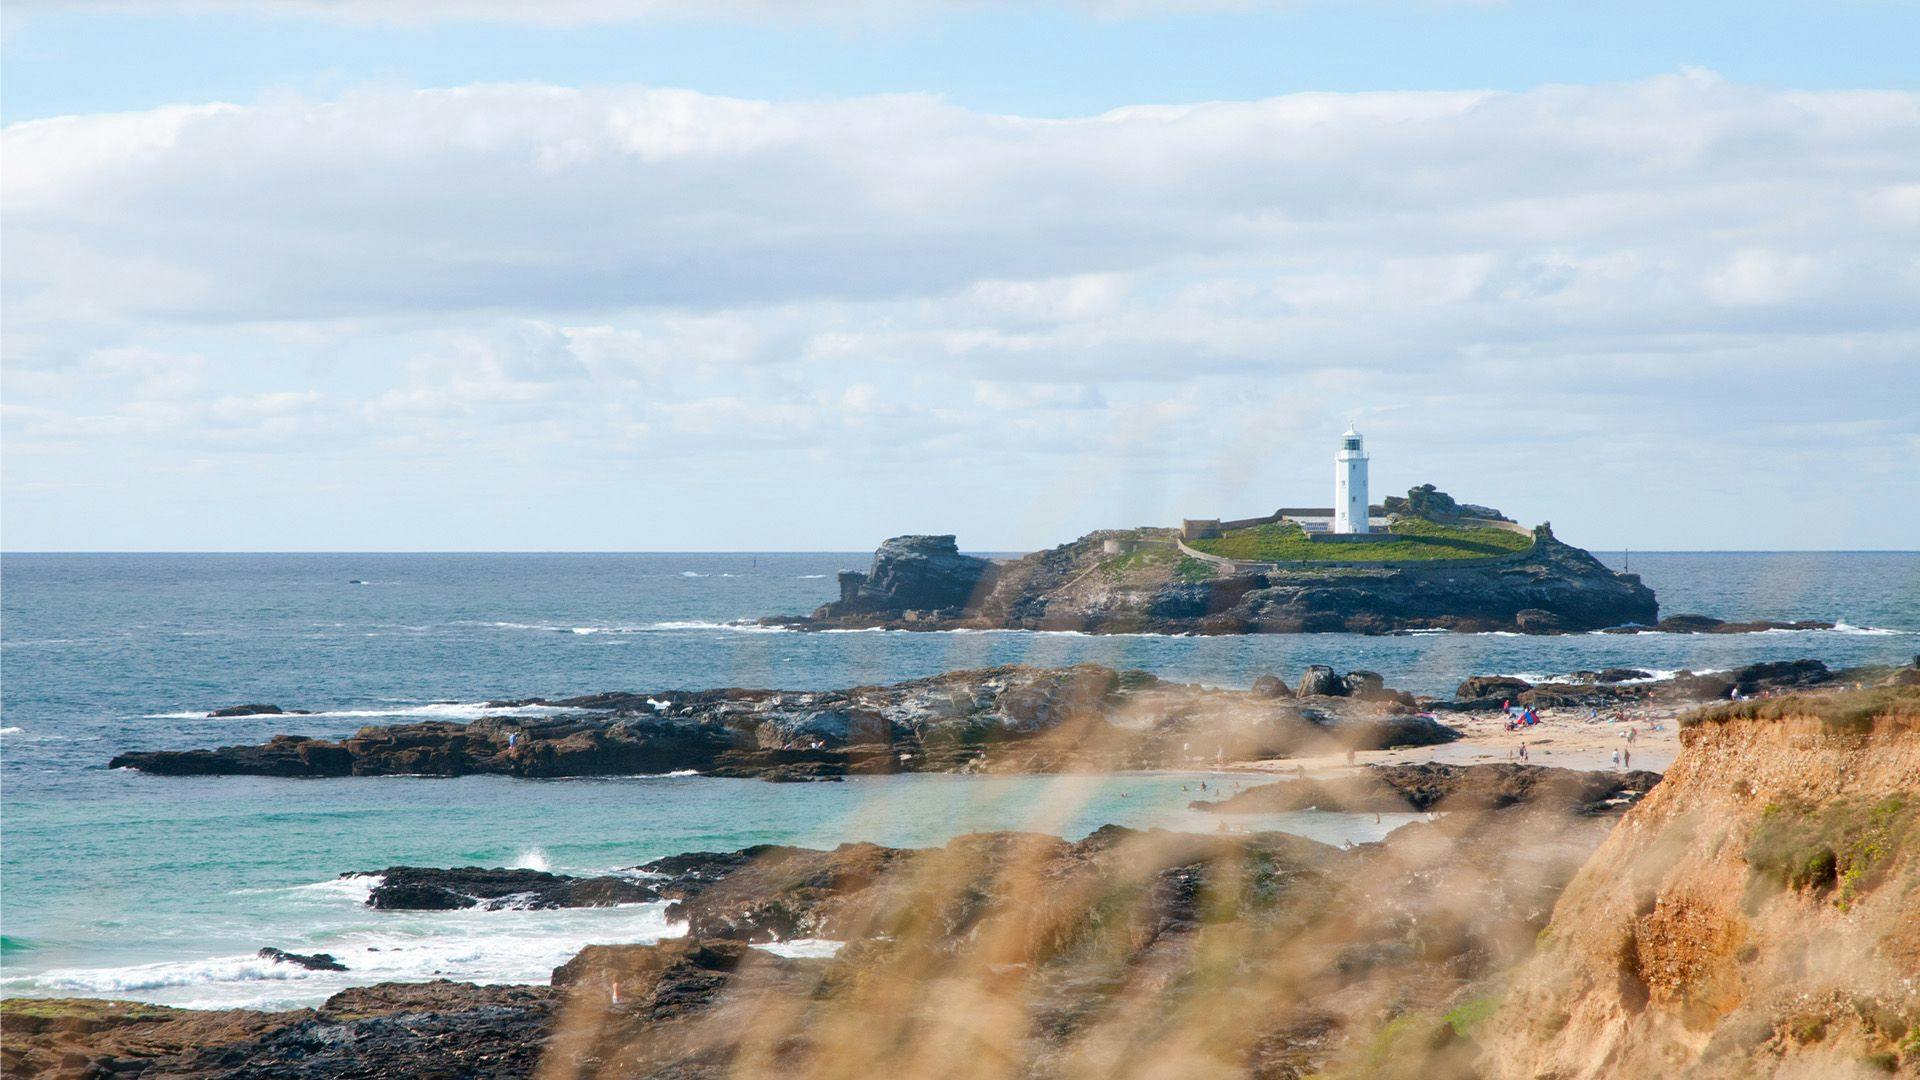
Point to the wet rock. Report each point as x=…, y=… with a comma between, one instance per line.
x=246, y=710
x=310, y=961
x=1617, y=675
x=423, y=888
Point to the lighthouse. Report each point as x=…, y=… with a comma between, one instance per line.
x=1350, y=485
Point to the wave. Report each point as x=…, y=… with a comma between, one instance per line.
x=1653, y=675
x=12, y=731
x=811, y=577
x=803, y=948
x=691, y=573
x=533, y=858
x=503, y=946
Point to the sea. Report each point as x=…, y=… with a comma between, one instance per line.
x=163, y=889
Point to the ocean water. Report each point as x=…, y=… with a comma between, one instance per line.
x=161, y=889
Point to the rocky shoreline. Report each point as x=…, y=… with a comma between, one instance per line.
x=1013, y=719
x=1519, y=934
x=1005, y=719
x=1061, y=913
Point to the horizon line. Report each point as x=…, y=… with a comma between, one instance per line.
x=834, y=551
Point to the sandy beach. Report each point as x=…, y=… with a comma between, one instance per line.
x=1568, y=738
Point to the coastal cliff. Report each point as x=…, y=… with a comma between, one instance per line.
x=1145, y=581
x=1757, y=914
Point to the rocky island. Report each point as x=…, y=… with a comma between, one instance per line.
x=1434, y=565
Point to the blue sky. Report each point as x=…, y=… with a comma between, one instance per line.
x=1037, y=60
x=292, y=275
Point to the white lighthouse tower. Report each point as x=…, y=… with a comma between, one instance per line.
x=1350, y=485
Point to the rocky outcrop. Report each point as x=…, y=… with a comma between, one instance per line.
x=1707, y=624
x=911, y=573
x=1625, y=686
x=425, y=888
x=1012, y=719
x=245, y=710
x=1434, y=786
x=310, y=961
x=1426, y=501
x=922, y=583
x=1754, y=916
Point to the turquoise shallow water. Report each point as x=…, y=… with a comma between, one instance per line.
x=118, y=884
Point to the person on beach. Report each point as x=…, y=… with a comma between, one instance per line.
x=1626, y=758
x=1616, y=757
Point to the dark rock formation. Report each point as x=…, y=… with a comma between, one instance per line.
x=424, y=888
x=310, y=961
x=1011, y=719
x=246, y=710
x=1320, y=680
x=910, y=573
x=1622, y=686
x=923, y=583
x=1707, y=624
x=1434, y=786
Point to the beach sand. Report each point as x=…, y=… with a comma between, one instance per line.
x=1568, y=738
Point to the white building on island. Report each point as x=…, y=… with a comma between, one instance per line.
x=1350, y=485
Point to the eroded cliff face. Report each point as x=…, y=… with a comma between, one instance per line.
x=1758, y=914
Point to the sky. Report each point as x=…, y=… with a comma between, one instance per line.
x=746, y=275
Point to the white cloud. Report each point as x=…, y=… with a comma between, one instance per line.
x=896, y=295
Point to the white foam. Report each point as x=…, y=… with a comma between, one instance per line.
x=11, y=730
x=810, y=577
x=502, y=946
x=803, y=948
x=533, y=858
x=691, y=573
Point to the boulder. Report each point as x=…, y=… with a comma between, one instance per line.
x=1270, y=686
x=1366, y=683
x=1618, y=675
x=257, y=709
x=1320, y=680
x=1491, y=688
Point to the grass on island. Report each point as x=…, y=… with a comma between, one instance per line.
x=1414, y=540
x=1183, y=567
